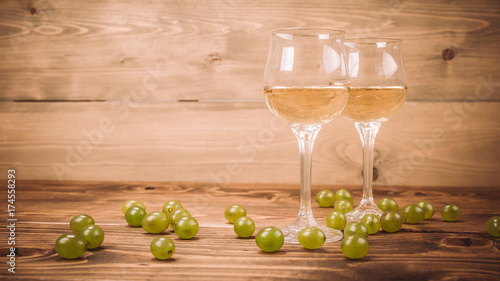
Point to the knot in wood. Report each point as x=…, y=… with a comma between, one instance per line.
x=466, y=242
x=448, y=54
x=213, y=58
x=375, y=174
x=33, y=11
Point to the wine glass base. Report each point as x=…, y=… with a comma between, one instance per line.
x=291, y=231
x=365, y=207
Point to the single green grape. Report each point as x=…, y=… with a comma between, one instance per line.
x=162, y=248
x=325, y=198
x=176, y=214
x=79, y=221
x=343, y=206
x=155, y=222
x=343, y=194
x=170, y=206
x=391, y=221
x=186, y=227
x=244, y=227
x=129, y=203
x=371, y=222
x=93, y=234
x=311, y=238
x=270, y=239
x=70, y=246
x=388, y=204
x=412, y=214
x=354, y=246
x=493, y=226
x=233, y=212
x=134, y=215
x=336, y=220
x=355, y=228
x=428, y=209
x=450, y=212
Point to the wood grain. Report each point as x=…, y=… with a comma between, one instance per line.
x=431, y=250
x=216, y=50
x=427, y=144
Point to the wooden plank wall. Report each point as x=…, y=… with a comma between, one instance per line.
x=171, y=91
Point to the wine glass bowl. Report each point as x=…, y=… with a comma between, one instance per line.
x=306, y=85
x=377, y=93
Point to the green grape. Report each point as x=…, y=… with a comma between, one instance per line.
x=93, y=234
x=391, y=221
x=162, y=248
x=450, y=212
x=129, y=203
x=325, y=198
x=79, y=221
x=412, y=214
x=176, y=214
x=493, y=226
x=134, y=215
x=343, y=194
x=336, y=220
x=311, y=238
x=371, y=222
x=343, y=206
x=186, y=227
x=354, y=246
x=270, y=239
x=70, y=246
x=170, y=206
x=233, y=212
x=355, y=228
x=244, y=227
x=388, y=204
x=428, y=209
x=155, y=222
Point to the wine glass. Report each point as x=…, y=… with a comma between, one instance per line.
x=306, y=85
x=377, y=92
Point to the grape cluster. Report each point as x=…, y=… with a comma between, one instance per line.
x=390, y=221
x=236, y=214
x=355, y=243
x=86, y=235
x=172, y=215
x=342, y=203
x=244, y=226
x=343, y=199
x=269, y=239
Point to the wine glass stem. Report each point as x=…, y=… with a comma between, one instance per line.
x=367, y=133
x=306, y=134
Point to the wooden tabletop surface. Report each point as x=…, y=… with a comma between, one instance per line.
x=431, y=250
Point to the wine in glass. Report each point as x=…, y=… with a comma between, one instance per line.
x=306, y=85
x=377, y=92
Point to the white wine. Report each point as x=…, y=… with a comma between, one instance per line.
x=307, y=105
x=374, y=104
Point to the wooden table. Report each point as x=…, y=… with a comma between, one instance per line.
x=431, y=250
